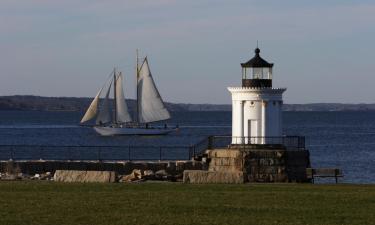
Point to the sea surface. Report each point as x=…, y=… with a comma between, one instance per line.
x=335, y=139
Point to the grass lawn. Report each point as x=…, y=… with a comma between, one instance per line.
x=176, y=203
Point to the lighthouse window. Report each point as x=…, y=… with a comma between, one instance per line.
x=251, y=103
x=266, y=73
x=257, y=73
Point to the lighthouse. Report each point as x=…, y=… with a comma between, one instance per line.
x=257, y=150
x=256, y=105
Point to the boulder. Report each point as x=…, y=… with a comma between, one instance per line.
x=36, y=176
x=20, y=176
x=46, y=176
x=136, y=174
x=213, y=177
x=85, y=176
x=161, y=174
x=9, y=177
x=148, y=174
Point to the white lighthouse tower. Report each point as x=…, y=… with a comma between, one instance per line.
x=256, y=106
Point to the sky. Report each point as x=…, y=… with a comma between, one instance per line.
x=323, y=50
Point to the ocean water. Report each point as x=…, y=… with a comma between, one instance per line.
x=335, y=139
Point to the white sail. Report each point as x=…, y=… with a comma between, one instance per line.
x=93, y=108
x=151, y=107
x=123, y=115
x=104, y=115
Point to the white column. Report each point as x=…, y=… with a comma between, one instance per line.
x=234, y=121
x=237, y=122
x=241, y=119
x=264, y=123
x=246, y=109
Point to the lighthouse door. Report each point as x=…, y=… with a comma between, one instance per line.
x=252, y=132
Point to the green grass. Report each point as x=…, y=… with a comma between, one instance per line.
x=175, y=203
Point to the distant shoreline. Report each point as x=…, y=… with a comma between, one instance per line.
x=71, y=104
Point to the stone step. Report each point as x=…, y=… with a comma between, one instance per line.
x=224, y=168
x=220, y=153
x=213, y=177
x=85, y=176
x=226, y=162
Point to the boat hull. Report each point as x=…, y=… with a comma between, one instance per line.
x=111, y=131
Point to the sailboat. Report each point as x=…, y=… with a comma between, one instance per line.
x=150, y=107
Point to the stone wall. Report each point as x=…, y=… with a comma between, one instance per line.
x=223, y=160
x=265, y=166
x=39, y=167
x=255, y=165
x=213, y=177
x=262, y=165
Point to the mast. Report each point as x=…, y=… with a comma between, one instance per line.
x=114, y=95
x=136, y=84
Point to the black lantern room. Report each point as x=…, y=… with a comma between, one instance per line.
x=257, y=72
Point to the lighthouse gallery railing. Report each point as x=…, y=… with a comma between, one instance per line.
x=260, y=142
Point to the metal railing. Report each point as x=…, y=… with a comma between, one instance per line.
x=287, y=142
x=145, y=153
x=97, y=153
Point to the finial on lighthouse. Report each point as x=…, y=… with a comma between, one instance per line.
x=257, y=50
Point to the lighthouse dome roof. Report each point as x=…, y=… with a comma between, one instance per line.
x=257, y=61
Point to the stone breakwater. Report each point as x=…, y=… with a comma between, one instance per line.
x=87, y=171
x=216, y=166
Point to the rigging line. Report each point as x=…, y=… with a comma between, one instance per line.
x=110, y=75
x=106, y=82
x=108, y=79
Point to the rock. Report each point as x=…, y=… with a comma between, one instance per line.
x=171, y=167
x=85, y=176
x=179, y=177
x=128, y=178
x=35, y=177
x=9, y=177
x=148, y=175
x=137, y=173
x=213, y=177
x=161, y=174
x=133, y=176
x=23, y=176
x=46, y=176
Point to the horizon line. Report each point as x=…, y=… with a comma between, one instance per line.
x=310, y=103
